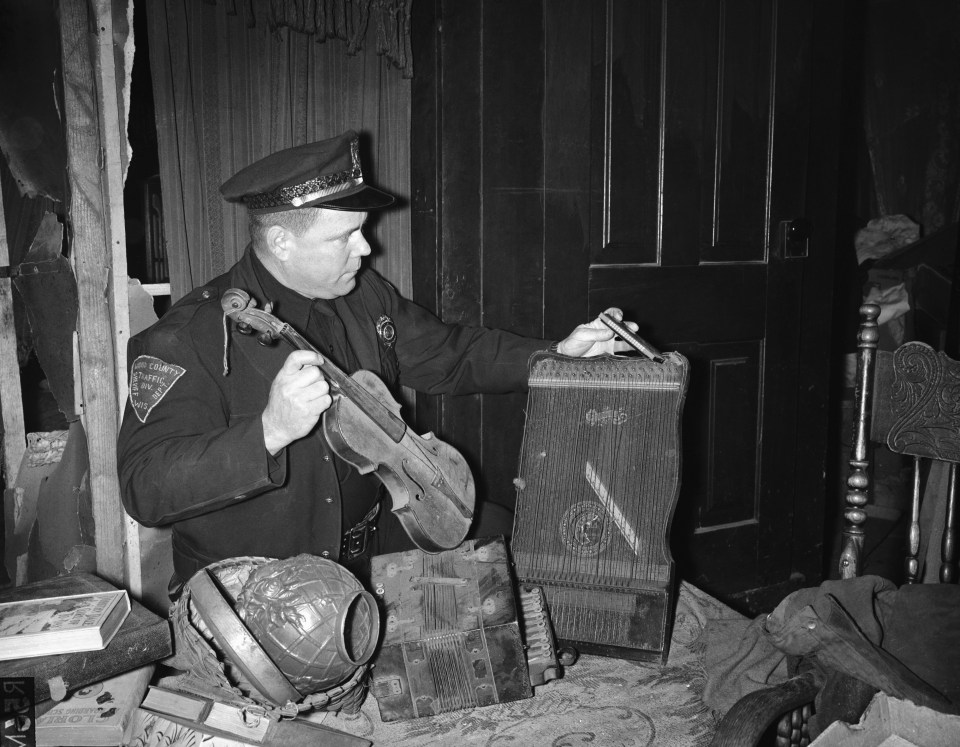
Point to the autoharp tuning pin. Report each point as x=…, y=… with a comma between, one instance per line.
x=244, y=328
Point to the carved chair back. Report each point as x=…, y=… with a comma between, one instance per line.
x=908, y=399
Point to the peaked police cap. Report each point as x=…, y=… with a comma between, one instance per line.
x=325, y=174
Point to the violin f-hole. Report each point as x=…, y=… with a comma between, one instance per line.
x=419, y=492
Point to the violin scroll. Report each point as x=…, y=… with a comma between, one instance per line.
x=235, y=300
x=241, y=307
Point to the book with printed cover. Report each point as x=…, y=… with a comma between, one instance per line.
x=153, y=730
x=144, y=637
x=97, y=715
x=248, y=725
x=61, y=624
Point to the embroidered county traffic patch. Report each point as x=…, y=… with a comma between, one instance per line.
x=150, y=380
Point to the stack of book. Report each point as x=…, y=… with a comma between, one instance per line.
x=80, y=653
x=174, y=714
x=61, y=625
x=98, y=715
x=71, y=631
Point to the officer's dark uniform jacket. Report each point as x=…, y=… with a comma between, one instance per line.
x=191, y=450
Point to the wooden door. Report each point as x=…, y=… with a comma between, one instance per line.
x=675, y=158
x=710, y=246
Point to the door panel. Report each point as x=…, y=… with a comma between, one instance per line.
x=643, y=155
x=728, y=439
x=707, y=280
x=633, y=68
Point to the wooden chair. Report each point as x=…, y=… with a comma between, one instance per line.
x=909, y=400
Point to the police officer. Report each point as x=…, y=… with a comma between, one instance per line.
x=220, y=436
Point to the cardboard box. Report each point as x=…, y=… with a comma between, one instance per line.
x=891, y=722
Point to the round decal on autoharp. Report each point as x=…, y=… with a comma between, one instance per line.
x=150, y=380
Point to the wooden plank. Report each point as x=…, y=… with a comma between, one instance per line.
x=167, y=65
x=814, y=335
x=11, y=400
x=512, y=222
x=567, y=86
x=461, y=261
x=114, y=143
x=650, y=300
x=93, y=263
x=743, y=123
x=632, y=133
x=789, y=145
x=689, y=131
x=511, y=138
x=156, y=289
x=113, y=135
x=425, y=149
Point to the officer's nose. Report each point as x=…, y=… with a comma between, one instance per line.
x=361, y=247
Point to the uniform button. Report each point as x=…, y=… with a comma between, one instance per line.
x=325, y=554
x=328, y=500
x=326, y=457
x=207, y=294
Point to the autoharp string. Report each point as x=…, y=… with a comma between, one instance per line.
x=596, y=474
x=619, y=473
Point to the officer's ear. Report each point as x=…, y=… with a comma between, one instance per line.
x=278, y=241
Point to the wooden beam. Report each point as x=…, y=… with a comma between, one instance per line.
x=11, y=399
x=157, y=289
x=93, y=171
x=114, y=143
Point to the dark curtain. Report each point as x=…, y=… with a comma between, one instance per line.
x=232, y=84
x=912, y=109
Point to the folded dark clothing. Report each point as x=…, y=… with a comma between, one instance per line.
x=902, y=641
x=922, y=624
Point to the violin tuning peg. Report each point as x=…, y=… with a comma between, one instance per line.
x=244, y=328
x=265, y=338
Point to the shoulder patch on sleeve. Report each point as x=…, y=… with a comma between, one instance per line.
x=150, y=380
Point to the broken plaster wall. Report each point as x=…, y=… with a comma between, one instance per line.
x=48, y=521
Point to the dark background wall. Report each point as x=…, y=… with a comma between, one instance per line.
x=897, y=124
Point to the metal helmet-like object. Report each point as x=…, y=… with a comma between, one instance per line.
x=287, y=635
x=313, y=619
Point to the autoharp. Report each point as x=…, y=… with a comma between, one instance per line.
x=598, y=483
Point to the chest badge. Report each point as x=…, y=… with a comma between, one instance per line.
x=386, y=331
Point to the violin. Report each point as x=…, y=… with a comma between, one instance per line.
x=429, y=481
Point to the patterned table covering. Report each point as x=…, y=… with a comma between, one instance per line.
x=602, y=702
